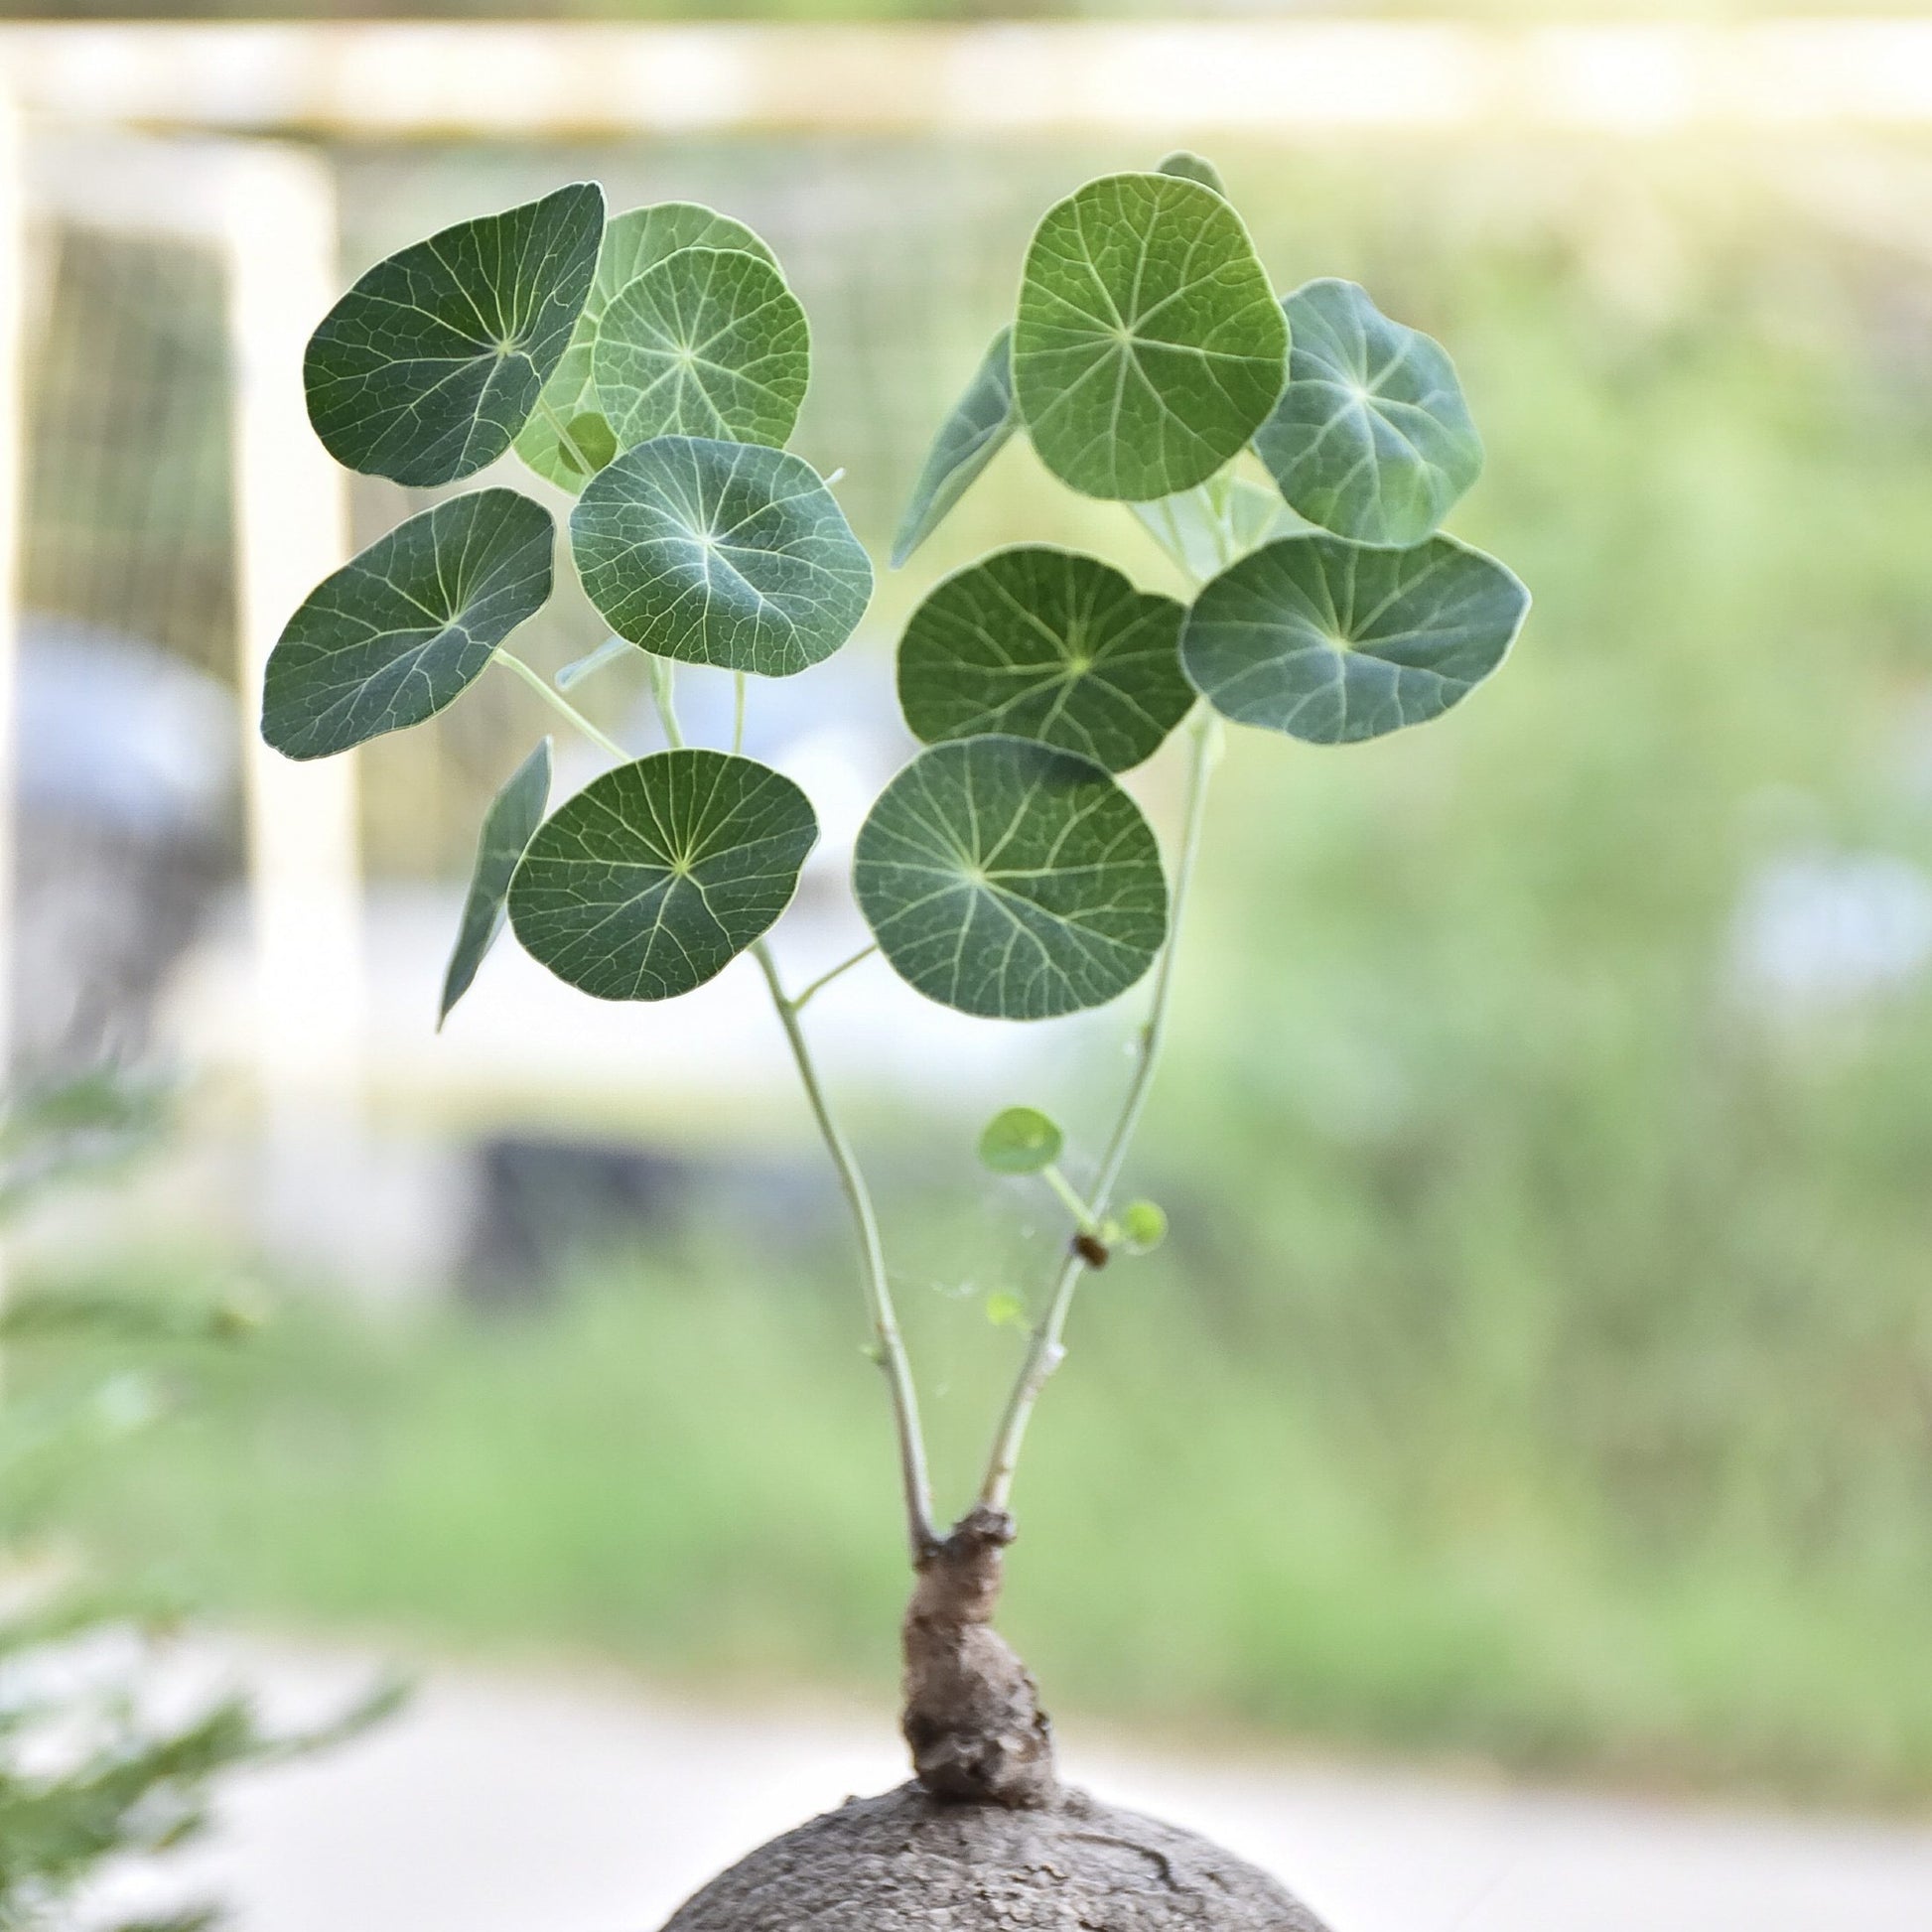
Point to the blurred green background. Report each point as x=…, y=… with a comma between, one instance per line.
x=1541, y=1369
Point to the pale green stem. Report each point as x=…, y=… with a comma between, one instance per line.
x=561, y=430
x=556, y=700
x=663, y=694
x=1046, y=1347
x=826, y=979
x=889, y=1348
x=1084, y=1218
x=737, y=713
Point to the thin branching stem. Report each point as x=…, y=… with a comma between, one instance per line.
x=826, y=978
x=663, y=694
x=560, y=704
x=1047, y=1346
x=889, y=1348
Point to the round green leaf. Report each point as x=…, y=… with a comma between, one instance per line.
x=633, y=242
x=721, y=553
x=1047, y=645
x=1006, y=878
x=400, y=630
x=968, y=440
x=657, y=874
x=1143, y=1227
x=1371, y=437
x=433, y=361
x=707, y=342
x=1332, y=642
x=1019, y=1140
x=1149, y=346
x=514, y=817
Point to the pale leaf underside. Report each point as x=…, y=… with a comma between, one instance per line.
x=969, y=439
x=513, y=816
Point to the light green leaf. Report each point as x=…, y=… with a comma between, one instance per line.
x=708, y=343
x=1006, y=1309
x=1008, y=879
x=1332, y=642
x=1149, y=346
x=721, y=553
x=1186, y=165
x=1371, y=439
x=400, y=630
x=633, y=242
x=968, y=440
x=1047, y=645
x=1019, y=1140
x=433, y=361
x=513, y=816
x=1206, y=528
x=1143, y=1227
x=657, y=874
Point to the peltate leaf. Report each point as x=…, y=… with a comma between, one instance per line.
x=1371, y=437
x=1149, y=346
x=1019, y=1140
x=1332, y=642
x=429, y=366
x=709, y=341
x=968, y=440
x=654, y=877
x=721, y=553
x=1047, y=645
x=513, y=816
x=1005, y=879
x=633, y=242
x=1186, y=165
x=400, y=630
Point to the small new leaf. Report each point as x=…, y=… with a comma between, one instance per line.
x=632, y=242
x=429, y=366
x=400, y=631
x=1371, y=439
x=1332, y=642
x=1143, y=1227
x=1005, y=879
x=1149, y=346
x=969, y=439
x=1006, y=1309
x=512, y=818
x=1019, y=1141
x=1047, y=645
x=708, y=342
x=1185, y=165
x=655, y=876
x=721, y=553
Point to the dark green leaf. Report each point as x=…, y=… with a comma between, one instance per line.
x=1371, y=439
x=514, y=817
x=427, y=367
x=399, y=632
x=1019, y=1140
x=721, y=553
x=1185, y=165
x=1047, y=645
x=1149, y=346
x=1005, y=879
x=709, y=341
x=633, y=242
x=1332, y=642
x=968, y=440
x=657, y=874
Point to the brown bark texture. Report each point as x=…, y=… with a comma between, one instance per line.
x=972, y=1716
x=907, y=1863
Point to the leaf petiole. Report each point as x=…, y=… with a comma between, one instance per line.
x=1084, y=1218
x=560, y=704
x=826, y=979
x=663, y=694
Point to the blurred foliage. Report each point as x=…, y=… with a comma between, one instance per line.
x=91, y=1775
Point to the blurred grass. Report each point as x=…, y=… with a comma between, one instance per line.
x=1541, y=1370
